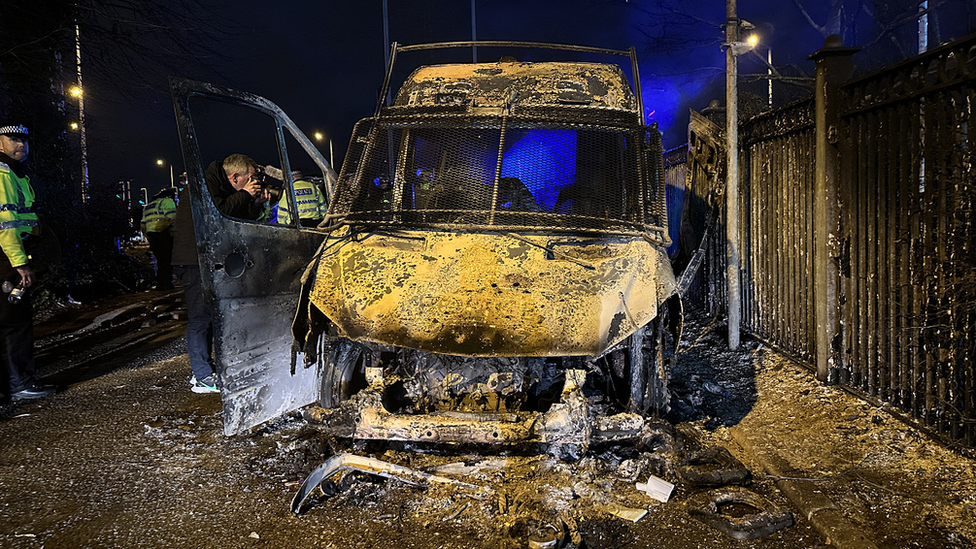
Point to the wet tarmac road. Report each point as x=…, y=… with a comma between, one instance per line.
x=134, y=459
x=126, y=456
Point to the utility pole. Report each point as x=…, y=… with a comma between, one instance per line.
x=81, y=119
x=733, y=300
x=923, y=26
x=386, y=43
x=474, y=35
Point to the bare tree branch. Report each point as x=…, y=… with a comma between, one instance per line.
x=809, y=19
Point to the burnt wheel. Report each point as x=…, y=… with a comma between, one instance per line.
x=345, y=373
x=651, y=353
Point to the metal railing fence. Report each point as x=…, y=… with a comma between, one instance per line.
x=857, y=232
x=907, y=238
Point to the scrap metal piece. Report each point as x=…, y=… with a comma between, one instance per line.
x=627, y=513
x=769, y=518
x=340, y=462
x=713, y=467
x=659, y=437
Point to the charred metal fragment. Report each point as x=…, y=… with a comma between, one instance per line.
x=341, y=462
x=659, y=437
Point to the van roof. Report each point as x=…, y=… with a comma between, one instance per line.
x=499, y=84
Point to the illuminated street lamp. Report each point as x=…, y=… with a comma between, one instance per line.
x=74, y=126
x=734, y=47
x=160, y=162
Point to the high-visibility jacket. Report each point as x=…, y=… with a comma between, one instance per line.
x=311, y=203
x=158, y=215
x=16, y=216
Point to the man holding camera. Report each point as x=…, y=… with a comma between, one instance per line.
x=236, y=193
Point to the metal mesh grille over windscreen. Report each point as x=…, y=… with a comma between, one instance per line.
x=485, y=173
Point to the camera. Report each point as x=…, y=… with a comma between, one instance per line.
x=15, y=292
x=269, y=179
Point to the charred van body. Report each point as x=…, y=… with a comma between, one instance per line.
x=494, y=269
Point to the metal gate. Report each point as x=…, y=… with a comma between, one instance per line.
x=776, y=209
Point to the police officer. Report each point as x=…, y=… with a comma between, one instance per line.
x=157, y=225
x=18, y=224
x=312, y=205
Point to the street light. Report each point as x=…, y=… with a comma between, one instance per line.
x=77, y=92
x=160, y=162
x=319, y=136
x=769, y=74
x=734, y=48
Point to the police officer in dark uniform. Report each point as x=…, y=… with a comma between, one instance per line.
x=18, y=225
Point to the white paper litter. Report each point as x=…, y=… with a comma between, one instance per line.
x=657, y=488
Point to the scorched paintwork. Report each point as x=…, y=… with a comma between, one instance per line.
x=488, y=294
x=510, y=83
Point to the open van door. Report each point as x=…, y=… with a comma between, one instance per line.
x=251, y=270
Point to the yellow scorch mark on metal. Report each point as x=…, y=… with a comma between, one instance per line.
x=489, y=294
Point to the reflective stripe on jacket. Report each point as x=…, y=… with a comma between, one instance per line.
x=158, y=215
x=16, y=216
x=311, y=203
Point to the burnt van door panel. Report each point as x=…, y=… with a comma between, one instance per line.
x=251, y=269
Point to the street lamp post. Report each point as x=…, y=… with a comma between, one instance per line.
x=319, y=136
x=77, y=91
x=733, y=49
x=161, y=162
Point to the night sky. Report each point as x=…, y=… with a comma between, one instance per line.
x=322, y=63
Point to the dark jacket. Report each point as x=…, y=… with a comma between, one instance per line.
x=228, y=200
